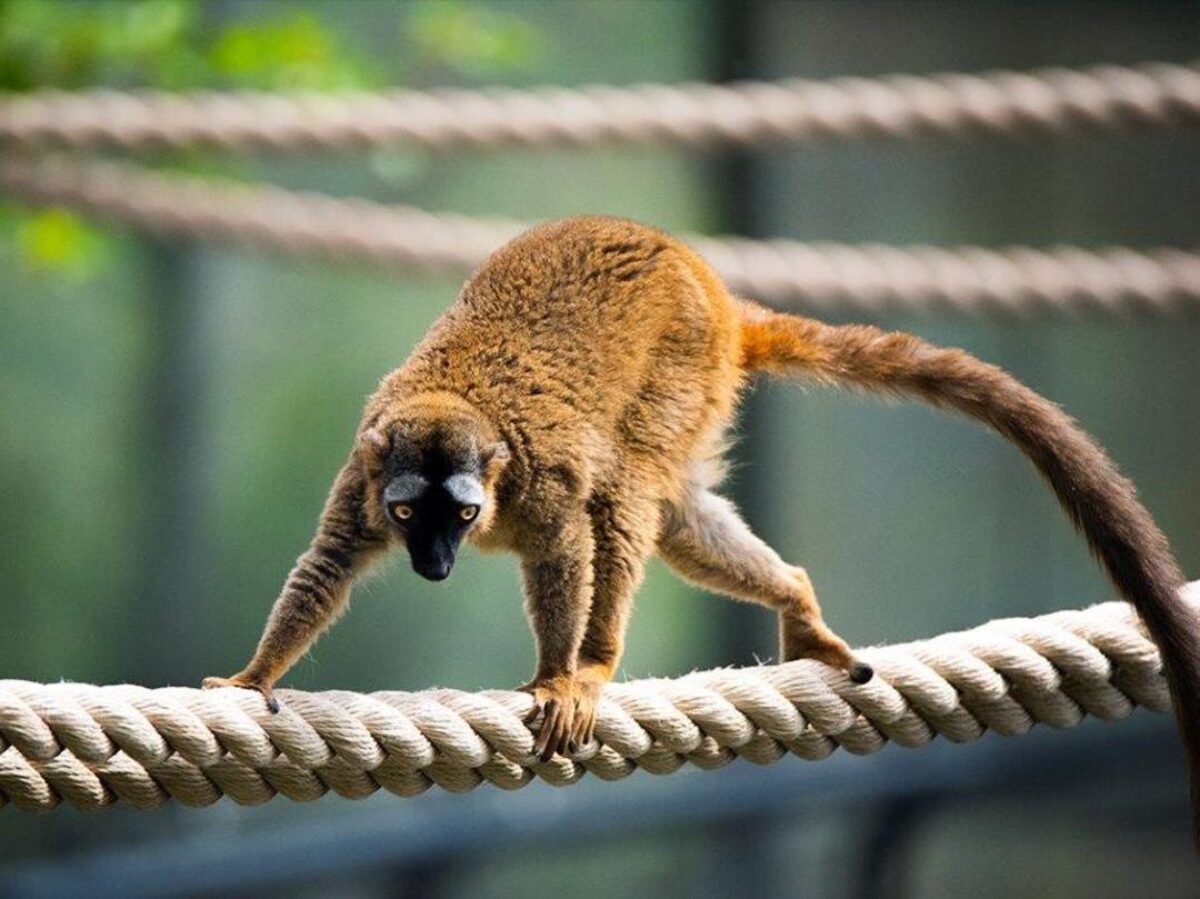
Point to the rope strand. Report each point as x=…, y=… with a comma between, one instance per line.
x=821, y=278
x=951, y=105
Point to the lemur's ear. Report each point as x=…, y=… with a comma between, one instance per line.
x=494, y=455
x=373, y=441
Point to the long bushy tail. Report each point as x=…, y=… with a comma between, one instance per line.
x=1101, y=502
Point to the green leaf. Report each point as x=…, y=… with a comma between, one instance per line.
x=474, y=39
x=59, y=241
x=292, y=52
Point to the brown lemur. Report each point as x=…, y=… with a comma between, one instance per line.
x=570, y=407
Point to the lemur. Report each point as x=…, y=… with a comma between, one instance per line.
x=570, y=407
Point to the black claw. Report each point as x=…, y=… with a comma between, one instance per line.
x=273, y=705
x=861, y=673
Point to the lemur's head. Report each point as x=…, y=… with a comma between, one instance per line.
x=432, y=465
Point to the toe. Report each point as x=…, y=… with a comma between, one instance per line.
x=860, y=672
x=563, y=744
x=533, y=713
x=581, y=733
x=548, y=736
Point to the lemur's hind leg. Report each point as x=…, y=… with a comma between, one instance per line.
x=705, y=540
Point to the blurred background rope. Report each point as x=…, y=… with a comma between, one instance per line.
x=1003, y=103
x=815, y=277
x=91, y=746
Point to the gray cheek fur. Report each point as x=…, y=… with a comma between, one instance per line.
x=405, y=488
x=466, y=489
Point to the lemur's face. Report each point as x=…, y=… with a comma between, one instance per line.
x=435, y=486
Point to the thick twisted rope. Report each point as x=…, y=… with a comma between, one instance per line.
x=818, y=277
x=91, y=746
x=1004, y=103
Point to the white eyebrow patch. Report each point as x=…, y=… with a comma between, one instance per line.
x=405, y=488
x=465, y=489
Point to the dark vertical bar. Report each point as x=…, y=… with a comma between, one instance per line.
x=888, y=853
x=172, y=616
x=744, y=632
x=171, y=550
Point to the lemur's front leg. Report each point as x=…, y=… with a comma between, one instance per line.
x=316, y=590
x=558, y=593
x=624, y=526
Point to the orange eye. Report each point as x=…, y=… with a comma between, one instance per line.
x=467, y=513
x=402, y=512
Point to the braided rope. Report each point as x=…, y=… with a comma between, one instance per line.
x=1003, y=103
x=91, y=746
x=819, y=277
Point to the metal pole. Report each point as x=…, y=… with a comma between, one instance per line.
x=744, y=632
x=170, y=550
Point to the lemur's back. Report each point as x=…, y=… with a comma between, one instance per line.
x=592, y=324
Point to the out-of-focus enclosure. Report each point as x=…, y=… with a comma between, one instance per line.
x=174, y=412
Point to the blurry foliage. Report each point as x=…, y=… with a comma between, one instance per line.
x=52, y=240
x=73, y=45
x=172, y=45
x=288, y=52
x=473, y=39
x=183, y=45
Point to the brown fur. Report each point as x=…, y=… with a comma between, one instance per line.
x=588, y=372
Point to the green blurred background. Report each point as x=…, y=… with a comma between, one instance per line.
x=174, y=413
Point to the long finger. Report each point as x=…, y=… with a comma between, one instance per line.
x=547, y=736
x=565, y=727
x=533, y=712
x=584, y=727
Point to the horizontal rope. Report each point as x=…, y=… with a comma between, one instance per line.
x=1003, y=103
x=92, y=746
x=822, y=278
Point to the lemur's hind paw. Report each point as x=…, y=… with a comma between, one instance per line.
x=217, y=683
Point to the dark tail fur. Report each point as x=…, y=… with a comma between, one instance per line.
x=1101, y=502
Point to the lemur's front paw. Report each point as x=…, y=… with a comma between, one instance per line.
x=567, y=708
x=216, y=683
